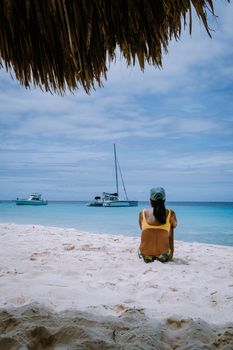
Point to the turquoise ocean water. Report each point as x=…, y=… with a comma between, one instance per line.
x=197, y=222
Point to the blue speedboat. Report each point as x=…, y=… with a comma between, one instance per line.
x=34, y=199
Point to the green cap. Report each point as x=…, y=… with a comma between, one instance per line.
x=157, y=193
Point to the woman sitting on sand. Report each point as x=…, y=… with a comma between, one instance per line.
x=157, y=225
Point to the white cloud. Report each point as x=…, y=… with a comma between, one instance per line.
x=198, y=161
x=193, y=126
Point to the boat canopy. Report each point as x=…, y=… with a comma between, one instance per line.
x=110, y=194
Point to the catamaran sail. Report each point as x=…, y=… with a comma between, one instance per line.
x=112, y=199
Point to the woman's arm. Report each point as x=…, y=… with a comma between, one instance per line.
x=171, y=237
x=173, y=219
x=140, y=220
x=171, y=243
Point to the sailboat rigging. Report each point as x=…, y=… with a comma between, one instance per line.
x=112, y=199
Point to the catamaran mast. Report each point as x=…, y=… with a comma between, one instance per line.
x=116, y=168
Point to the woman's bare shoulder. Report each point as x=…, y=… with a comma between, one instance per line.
x=173, y=219
x=148, y=211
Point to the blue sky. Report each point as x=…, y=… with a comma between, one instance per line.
x=173, y=127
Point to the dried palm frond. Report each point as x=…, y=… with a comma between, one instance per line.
x=62, y=44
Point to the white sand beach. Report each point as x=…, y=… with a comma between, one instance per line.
x=65, y=289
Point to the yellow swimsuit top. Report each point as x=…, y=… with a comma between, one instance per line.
x=166, y=226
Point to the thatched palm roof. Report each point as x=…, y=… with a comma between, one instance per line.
x=59, y=44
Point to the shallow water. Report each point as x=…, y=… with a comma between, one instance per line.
x=197, y=222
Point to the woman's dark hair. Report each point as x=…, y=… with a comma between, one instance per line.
x=159, y=210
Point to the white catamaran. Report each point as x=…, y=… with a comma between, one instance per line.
x=112, y=199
